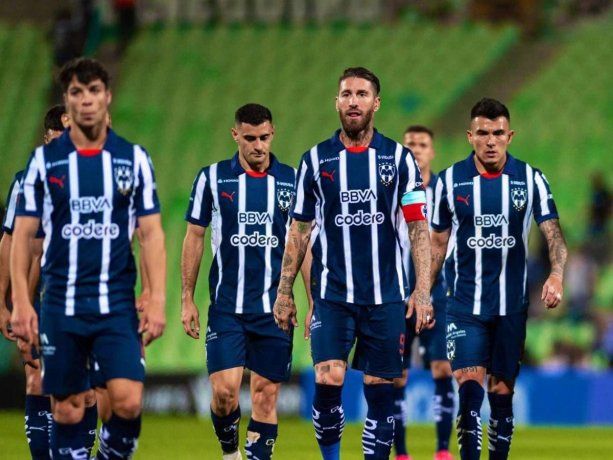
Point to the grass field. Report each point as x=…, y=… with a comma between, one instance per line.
x=184, y=438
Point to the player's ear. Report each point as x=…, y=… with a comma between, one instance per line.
x=469, y=136
x=511, y=134
x=109, y=97
x=234, y=134
x=377, y=103
x=336, y=104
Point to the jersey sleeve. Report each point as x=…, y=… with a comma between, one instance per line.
x=146, y=199
x=32, y=191
x=411, y=188
x=543, y=206
x=11, y=207
x=441, y=214
x=304, y=206
x=200, y=207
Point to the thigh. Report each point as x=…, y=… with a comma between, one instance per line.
x=118, y=348
x=64, y=355
x=468, y=341
x=269, y=349
x=226, y=341
x=333, y=328
x=380, y=340
x=508, y=346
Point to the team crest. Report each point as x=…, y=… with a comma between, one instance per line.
x=123, y=179
x=518, y=196
x=450, y=350
x=284, y=199
x=387, y=171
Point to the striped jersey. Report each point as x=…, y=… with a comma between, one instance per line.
x=248, y=213
x=354, y=195
x=438, y=292
x=88, y=202
x=8, y=224
x=490, y=217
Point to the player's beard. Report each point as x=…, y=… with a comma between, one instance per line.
x=352, y=127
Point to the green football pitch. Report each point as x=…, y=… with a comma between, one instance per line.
x=183, y=438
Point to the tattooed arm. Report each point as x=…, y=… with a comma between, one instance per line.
x=296, y=247
x=553, y=289
x=419, y=236
x=439, y=242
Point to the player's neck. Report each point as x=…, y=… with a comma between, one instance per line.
x=490, y=169
x=88, y=138
x=258, y=168
x=359, y=139
x=426, y=174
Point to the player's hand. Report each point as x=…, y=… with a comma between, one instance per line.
x=152, y=320
x=26, y=354
x=142, y=300
x=190, y=317
x=307, y=322
x=5, y=324
x=421, y=305
x=24, y=323
x=552, y=291
x=285, y=312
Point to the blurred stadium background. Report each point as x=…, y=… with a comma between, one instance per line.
x=181, y=67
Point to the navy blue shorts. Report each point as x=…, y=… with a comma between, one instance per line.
x=493, y=342
x=432, y=344
x=253, y=341
x=377, y=330
x=68, y=343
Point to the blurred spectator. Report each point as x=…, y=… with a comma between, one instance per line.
x=600, y=209
x=125, y=11
x=581, y=276
x=64, y=48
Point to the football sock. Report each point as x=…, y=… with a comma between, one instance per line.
x=400, y=418
x=118, y=438
x=260, y=440
x=328, y=419
x=500, y=429
x=226, y=429
x=65, y=442
x=469, y=420
x=443, y=411
x=378, y=434
x=37, y=418
x=88, y=427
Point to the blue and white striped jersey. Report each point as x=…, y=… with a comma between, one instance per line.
x=439, y=290
x=8, y=225
x=248, y=214
x=88, y=202
x=354, y=195
x=490, y=218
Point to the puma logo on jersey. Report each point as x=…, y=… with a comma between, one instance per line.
x=328, y=175
x=463, y=199
x=59, y=181
x=228, y=196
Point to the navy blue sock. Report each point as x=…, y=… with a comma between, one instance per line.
x=378, y=434
x=328, y=419
x=226, y=429
x=118, y=438
x=88, y=427
x=469, y=420
x=500, y=429
x=443, y=411
x=400, y=418
x=65, y=442
x=261, y=439
x=37, y=416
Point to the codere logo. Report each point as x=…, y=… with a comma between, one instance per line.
x=491, y=242
x=89, y=230
x=256, y=239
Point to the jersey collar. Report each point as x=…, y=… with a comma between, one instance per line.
x=237, y=169
x=109, y=145
x=510, y=167
x=338, y=145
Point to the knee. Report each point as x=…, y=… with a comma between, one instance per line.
x=499, y=386
x=34, y=383
x=470, y=373
x=440, y=369
x=330, y=372
x=265, y=399
x=90, y=398
x=225, y=399
x=127, y=406
x=69, y=411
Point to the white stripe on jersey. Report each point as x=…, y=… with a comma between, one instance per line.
x=438, y=194
x=528, y=220
x=543, y=195
x=216, y=235
x=321, y=229
x=502, y=280
x=197, y=207
x=107, y=177
x=451, y=246
x=374, y=229
x=142, y=164
x=12, y=205
x=36, y=168
x=73, y=247
x=300, y=189
x=270, y=208
x=397, y=225
x=478, y=255
x=412, y=174
x=242, y=207
x=346, y=233
x=46, y=219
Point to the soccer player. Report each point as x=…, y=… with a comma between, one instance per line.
x=485, y=204
x=353, y=185
x=38, y=420
x=420, y=140
x=246, y=200
x=89, y=187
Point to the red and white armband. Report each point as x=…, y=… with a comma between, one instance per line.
x=414, y=205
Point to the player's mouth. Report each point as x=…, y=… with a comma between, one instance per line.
x=354, y=114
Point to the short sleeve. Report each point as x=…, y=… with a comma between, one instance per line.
x=543, y=206
x=441, y=214
x=200, y=207
x=305, y=203
x=411, y=188
x=8, y=224
x=145, y=196
x=32, y=190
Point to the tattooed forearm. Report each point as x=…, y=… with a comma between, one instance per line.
x=419, y=237
x=295, y=250
x=556, y=244
x=439, y=241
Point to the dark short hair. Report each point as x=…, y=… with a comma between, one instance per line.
x=85, y=69
x=361, y=72
x=419, y=129
x=53, y=118
x=252, y=114
x=490, y=109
